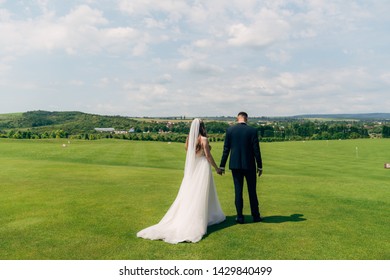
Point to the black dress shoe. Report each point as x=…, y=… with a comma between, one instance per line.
x=257, y=219
x=240, y=220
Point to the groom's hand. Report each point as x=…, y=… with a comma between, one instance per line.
x=259, y=171
x=222, y=170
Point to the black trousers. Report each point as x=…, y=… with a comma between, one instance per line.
x=250, y=176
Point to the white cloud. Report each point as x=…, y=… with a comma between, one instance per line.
x=174, y=9
x=5, y=62
x=269, y=57
x=148, y=98
x=84, y=17
x=385, y=77
x=77, y=83
x=104, y=82
x=5, y=15
x=81, y=30
x=204, y=43
x=153, y=23
x=165, y=79
x=268, y=28
x=280, y=56
x=199, y=67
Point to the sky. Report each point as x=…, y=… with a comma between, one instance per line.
x=195, y=57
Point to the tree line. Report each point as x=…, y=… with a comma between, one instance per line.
x=77, y=125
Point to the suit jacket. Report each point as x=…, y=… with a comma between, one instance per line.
x=242, y=142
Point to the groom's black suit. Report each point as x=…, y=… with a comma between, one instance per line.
x=241, y=141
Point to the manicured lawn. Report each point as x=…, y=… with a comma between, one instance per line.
x=87, y=200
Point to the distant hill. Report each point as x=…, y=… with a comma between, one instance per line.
x=368, y=116
x=45, y=124
x=74, y=122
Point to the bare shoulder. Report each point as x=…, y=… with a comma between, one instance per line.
x=204, y=141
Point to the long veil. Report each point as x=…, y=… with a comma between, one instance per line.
x=191, y=148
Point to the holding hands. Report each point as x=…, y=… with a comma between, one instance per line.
x=220, y=170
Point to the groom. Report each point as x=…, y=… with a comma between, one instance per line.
x=241, y=141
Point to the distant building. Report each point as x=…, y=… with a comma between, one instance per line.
x=120, y=132
x=111, y=130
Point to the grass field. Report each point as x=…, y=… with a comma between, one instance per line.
x=320, y=200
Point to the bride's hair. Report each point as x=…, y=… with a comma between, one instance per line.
x=202, y=129
x=202, y=132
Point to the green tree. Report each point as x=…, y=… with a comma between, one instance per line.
x=386, y=131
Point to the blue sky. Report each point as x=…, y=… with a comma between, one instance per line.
x=195, y=58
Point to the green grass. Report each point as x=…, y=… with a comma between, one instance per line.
x=320, y=200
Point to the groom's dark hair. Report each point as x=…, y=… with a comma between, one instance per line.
x=243, y=114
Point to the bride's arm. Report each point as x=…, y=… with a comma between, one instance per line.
x=186, y=145
x=209, y=156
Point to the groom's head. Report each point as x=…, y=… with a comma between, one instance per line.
x=242, y=117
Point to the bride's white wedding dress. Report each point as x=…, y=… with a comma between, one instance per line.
x=196, y=206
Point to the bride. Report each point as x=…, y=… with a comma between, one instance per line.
x=196, y=205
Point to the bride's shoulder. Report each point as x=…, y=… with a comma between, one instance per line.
x=204, y=141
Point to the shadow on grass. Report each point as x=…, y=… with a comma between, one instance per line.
x=231, y=221
x=283, y=219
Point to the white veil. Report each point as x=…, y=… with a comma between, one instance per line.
x=191, y=149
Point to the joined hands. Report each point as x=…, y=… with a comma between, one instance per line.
x=220, y=171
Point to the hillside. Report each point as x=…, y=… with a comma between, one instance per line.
x=44, y=124
x=72, y=122
x=79, y=122
x=362, y=117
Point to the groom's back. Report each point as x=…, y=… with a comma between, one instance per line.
x=242, y=140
